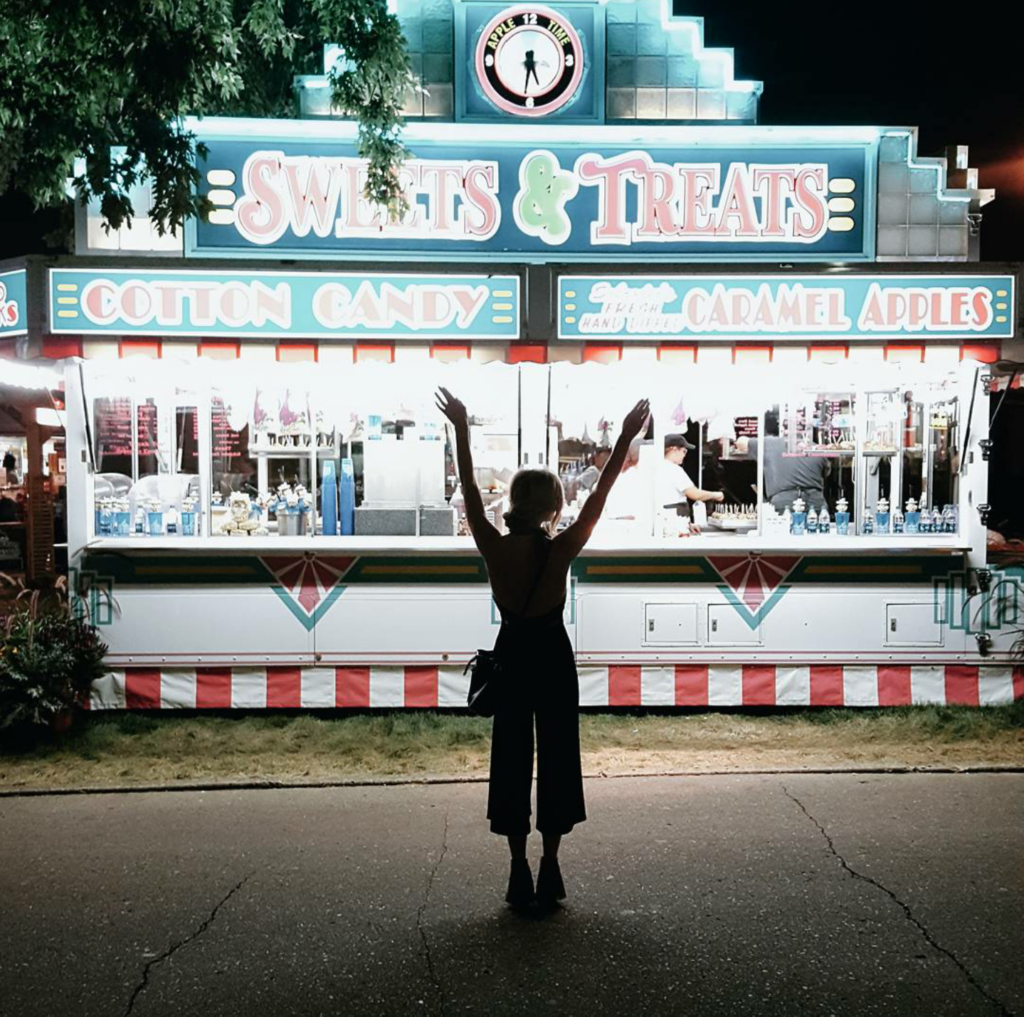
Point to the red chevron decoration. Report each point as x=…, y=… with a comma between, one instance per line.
x=308, y=582
x=755, y=578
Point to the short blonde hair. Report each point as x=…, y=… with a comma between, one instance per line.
x=535, y=495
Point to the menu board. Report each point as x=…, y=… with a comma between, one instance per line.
x=226, y=440
x=149, y=441
x=186, y=424
x=113, y=419
x=746, y=427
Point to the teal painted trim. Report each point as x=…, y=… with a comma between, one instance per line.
x=358, y=573
x=753, y=620
x=1001, y=606
x=203, y=570
x=870, y=200
x=91, y=596
x=308, y=621
x=706, y=574
x=928, y=568
x=194, y=570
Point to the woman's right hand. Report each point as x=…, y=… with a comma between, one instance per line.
x=636, y=419
x=454, y=409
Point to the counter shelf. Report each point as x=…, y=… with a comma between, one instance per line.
x=696, y=545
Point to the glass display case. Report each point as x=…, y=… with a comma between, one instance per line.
x=289, y=452
x=292, y=451
x=822, y=452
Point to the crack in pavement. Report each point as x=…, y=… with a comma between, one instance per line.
x=423, y=907
x=1003, y=1010
x=184, y=942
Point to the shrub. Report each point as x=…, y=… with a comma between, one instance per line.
x=48, y=659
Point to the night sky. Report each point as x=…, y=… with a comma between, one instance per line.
x=890, y=64
x=957, y=77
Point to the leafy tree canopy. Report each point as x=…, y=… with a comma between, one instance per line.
x=80, y=78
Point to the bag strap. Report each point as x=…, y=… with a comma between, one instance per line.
x=540, y=576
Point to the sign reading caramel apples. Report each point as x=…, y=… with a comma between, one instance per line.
x=840, y=306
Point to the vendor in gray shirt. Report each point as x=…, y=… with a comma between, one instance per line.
x=589, y=477
x=787, y=478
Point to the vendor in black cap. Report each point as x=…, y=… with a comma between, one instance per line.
x=674, y=484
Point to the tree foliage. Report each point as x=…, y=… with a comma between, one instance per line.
x=81, y=79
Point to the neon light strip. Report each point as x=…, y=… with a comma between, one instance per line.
x=643, y=135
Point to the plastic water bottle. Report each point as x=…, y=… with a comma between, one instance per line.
x=913, y=517
x=329, y=499
x=347, y=499
x=897, y=519
x=949, y=519
x=882, y=516
x=798, y=519
x=824, y=521
x=812, y=521
x=842, y=517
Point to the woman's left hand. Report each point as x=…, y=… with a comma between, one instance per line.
x=454, y=409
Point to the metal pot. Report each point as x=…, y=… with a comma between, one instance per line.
x=291, y=524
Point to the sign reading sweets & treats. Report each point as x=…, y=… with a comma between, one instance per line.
x=811, y=306
x=13, y=290
x=693, y=196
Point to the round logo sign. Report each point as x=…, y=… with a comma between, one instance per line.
x=529, y=61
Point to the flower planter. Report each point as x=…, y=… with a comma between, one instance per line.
x=61, y=721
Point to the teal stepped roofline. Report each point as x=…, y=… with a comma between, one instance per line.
x=655, y=64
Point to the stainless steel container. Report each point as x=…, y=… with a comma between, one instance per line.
x=291, y=524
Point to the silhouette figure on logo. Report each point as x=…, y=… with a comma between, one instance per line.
x=531, y=68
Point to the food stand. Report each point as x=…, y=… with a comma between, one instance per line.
x=264, y=507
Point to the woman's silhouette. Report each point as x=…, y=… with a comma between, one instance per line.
x=527, y=568
x=530, y=65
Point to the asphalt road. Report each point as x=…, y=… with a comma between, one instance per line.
x=766, y=895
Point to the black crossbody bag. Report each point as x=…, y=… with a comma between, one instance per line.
x=489, y=669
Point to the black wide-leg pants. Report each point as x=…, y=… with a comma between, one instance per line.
x=548, y=697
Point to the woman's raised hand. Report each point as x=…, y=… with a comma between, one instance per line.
x=636, y=419
x=454, y=409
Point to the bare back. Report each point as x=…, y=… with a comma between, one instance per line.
x=515, y=561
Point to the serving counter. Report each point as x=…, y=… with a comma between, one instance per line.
x=941, y=544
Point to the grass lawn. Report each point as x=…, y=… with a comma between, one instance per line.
x=120, y=749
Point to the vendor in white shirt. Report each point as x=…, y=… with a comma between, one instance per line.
x=626, y=497
x=674, y=484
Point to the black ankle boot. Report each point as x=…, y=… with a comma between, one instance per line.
x=520, y=884
x=550, y=887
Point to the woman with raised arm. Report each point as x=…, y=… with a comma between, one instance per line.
x=528, y=569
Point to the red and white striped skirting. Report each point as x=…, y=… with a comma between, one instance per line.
x=136, y=688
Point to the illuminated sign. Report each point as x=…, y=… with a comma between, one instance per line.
x=838, y=306
x=296, y=305
x=13, y=293
x=558, y=200
x=529, y=61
